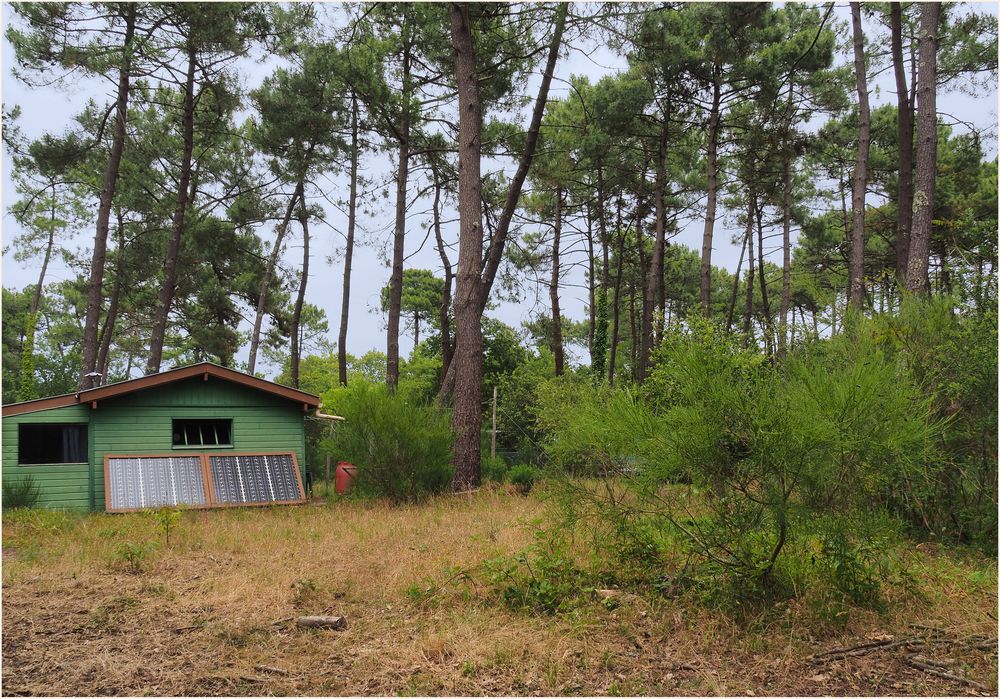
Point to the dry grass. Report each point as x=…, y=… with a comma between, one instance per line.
x=199, y=616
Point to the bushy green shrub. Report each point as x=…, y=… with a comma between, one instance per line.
x=401, y=451
x=740, y=457
x=21, y=492
x=494, y=469
x=523, y=476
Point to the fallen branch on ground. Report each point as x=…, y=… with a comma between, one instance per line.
x=946, y=674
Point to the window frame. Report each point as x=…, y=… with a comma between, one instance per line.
x=195, y=447
x=86, y=433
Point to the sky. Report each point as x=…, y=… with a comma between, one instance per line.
x=51, y=110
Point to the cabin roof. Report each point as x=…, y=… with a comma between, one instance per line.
x=204, y=369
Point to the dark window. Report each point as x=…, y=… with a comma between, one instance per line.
x=203, y=433
x=52, y=444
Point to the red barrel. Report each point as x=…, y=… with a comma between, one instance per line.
x=344, y=476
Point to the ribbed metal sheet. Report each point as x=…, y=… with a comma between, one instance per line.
x=254, y=479
x=136, y=482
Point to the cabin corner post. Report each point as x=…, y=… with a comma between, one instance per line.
x=91, y=465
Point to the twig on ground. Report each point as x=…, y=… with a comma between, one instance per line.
x=946, y=674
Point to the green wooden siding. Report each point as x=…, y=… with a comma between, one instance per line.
x=141, y=423
x=59, y=485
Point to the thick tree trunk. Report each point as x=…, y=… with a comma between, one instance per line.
x=169, y=283
x=265, y=282
x=352, y=213
x=300, y=298
x=705, y=281
x=399, y=234
x=495, y=253
x=904, y=122
x=467, y=360
x=923, y=197
x=856, y=253
x=95, y=286
x=654, y=280
x=557, y=345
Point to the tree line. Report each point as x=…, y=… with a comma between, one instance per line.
x=759, y=115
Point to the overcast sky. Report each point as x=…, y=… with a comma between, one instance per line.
x=51, y=110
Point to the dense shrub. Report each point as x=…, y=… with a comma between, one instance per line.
x=494, y=469
x=743, y=460
x=523, y=476
x=401, y=451
x=20, y=493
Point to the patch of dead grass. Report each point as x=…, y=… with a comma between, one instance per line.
x=213, y=607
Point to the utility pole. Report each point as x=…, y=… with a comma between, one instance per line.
x=493, y=441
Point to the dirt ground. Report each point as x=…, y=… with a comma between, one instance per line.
x=103, y=605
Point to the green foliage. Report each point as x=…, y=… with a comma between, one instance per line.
x=599, y=351
x=132, y=555
x=402, y=451
x=523, y=476
x=167, y=519
x=544, y=578
x=494, y=469
x=772, y=463
x=20, y=493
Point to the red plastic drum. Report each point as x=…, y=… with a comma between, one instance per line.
x=344, y=476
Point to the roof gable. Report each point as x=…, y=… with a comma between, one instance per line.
x=204, y=369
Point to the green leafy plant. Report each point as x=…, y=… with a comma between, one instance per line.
x=132, y=555
x=402, y=451
x=523, y=476
x=542, y=578
x=167, y=519
x=494, y=469
x=20, y=493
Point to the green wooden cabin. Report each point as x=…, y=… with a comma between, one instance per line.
x=62, y=441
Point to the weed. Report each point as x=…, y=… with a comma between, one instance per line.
x=167, y=519
x=20, y=493
x=132, y=555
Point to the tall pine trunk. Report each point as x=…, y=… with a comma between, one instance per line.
x=95, y=287
x=786, y=229
x=399, y=233
x=557, y=345
x=904, y=122
x=265, y=282
x=923, y=196
x=705, y=281
x=166, y=295
x=654, y=280
x=443, y=310
x=856, y=253
x=300, y=298
x=748, y=314
x=467, y=360
x=494, y=254
x=352, y=214
x=616, y=310
x=736, y=279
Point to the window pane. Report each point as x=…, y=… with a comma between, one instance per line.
x=52, y=444
x=196, y=433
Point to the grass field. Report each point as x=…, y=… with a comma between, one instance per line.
x=102, y=604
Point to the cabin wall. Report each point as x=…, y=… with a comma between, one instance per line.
x=141, y=423
x=59, y=485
